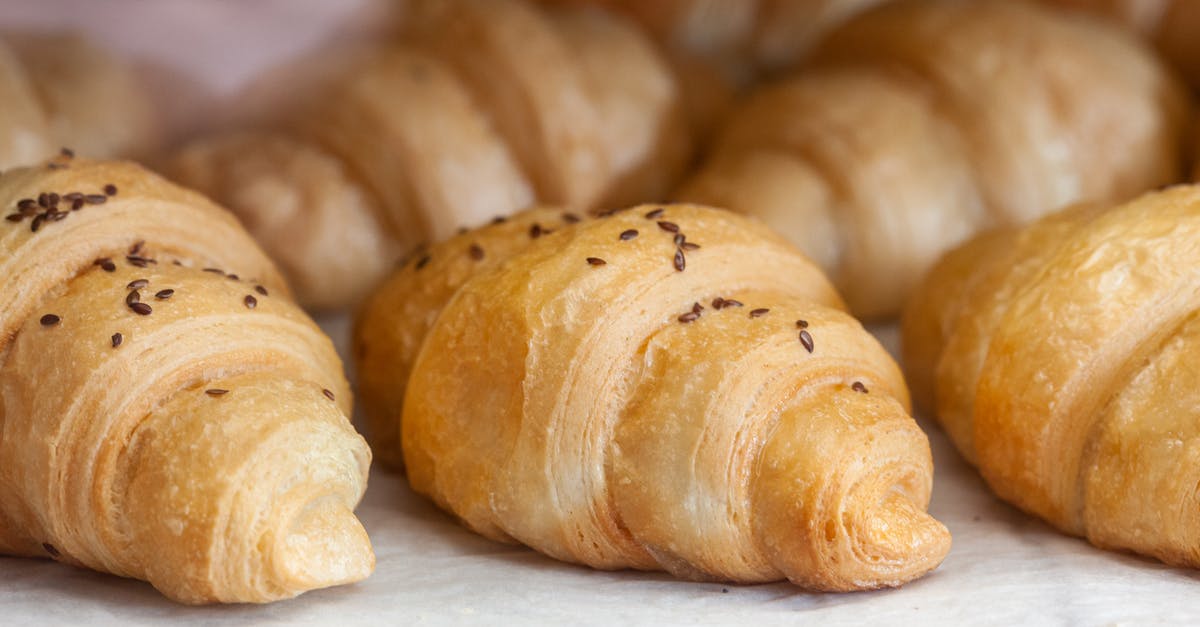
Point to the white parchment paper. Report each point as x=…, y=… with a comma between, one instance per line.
x=1005, y=568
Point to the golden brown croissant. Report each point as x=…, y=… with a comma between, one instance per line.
x=483, y=108
x=925, y=122
x=61, y=90
x=1062, y=361
x=166, y=412
x=1171, y=24
x=664, y=388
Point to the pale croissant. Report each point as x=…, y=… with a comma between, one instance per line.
x=167, y=412
x=743, y=37
x=62, y=91
x=482, y=108
x=667, y=388
x=1062, y=360
x=1170, y=24
x=922, y=123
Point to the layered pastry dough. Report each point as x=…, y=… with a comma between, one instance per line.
x=166, y=412
x=1061, y=360
x=921, y=123
x=482, y=108
x=668, y=388
x=62, y=91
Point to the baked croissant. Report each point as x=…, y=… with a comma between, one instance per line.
x=666, y=388
x=1170, y=24
x=61, y=90
x=166, y=412
x=485, y=106
x=922, y=123
x=1061, y=360
x=743, y=37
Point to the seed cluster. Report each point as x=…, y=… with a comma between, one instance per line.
x=678, y=259
x=133, y=299
x=133, y=296
x=53, y=207
x=720, y=302
x=475, y=251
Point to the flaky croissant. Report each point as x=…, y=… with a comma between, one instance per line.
x=664, y=388
x=485, y=106
x=1061, y=359
x=922, y=123
x=166, y=412
x=62, y=91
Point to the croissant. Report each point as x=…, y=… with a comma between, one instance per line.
x=1061, y=360
x=922, y=123
x=1170, y=24
x=667, y=388
x=744, y=37
x=484, y=107
x=166, y=412
x=61, y=90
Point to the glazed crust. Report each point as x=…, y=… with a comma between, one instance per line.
x=480, y=109
x=591, y=393
x=922, y=123
x=166, y=412
x=1060, y=367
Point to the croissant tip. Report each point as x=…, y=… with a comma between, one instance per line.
x=325, y=545
x=904, y=529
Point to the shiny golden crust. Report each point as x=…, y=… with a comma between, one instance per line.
x=60, y=90
x=130, y=327
x=599, y=393
x=394, y=321
x=1063, y=370
x=481, y=109
x=925, y=122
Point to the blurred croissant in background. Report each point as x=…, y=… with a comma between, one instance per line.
x=1172, y=25
x=921, y=123
x=60, y=90
x=478, y=110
